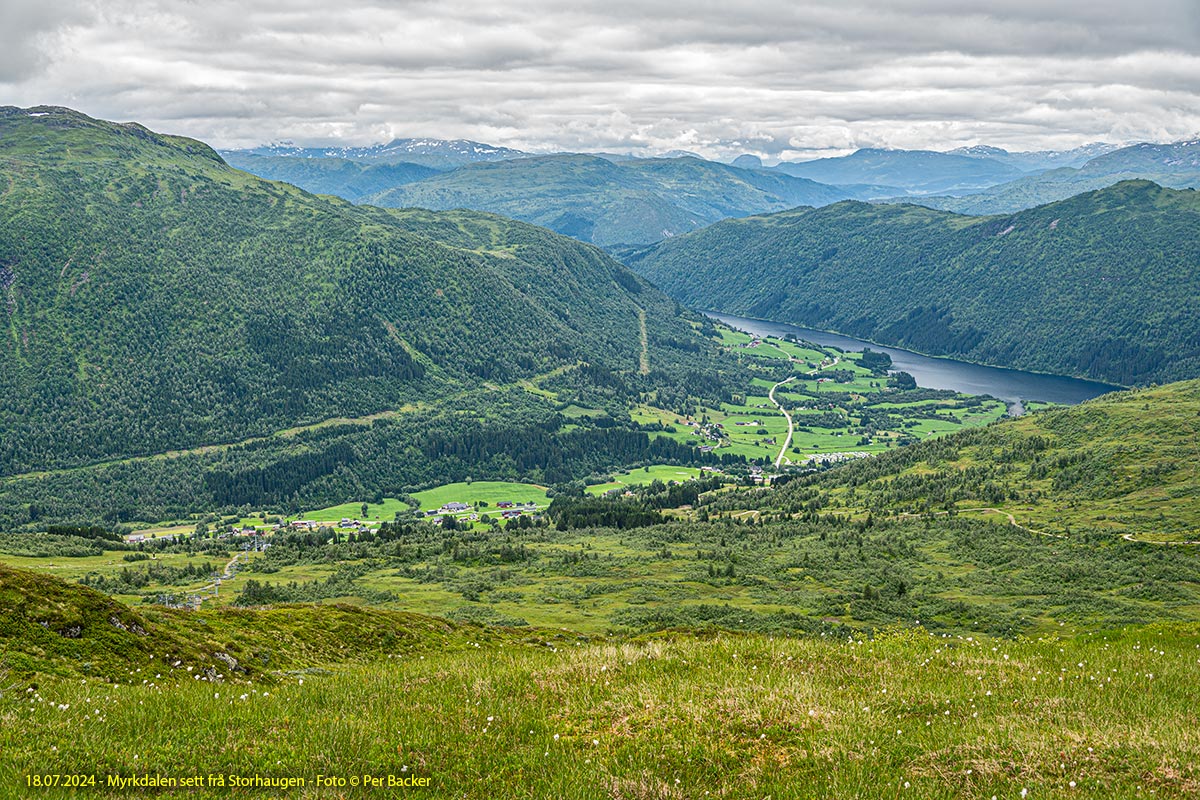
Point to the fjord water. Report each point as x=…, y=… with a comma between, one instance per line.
x=1009, y=385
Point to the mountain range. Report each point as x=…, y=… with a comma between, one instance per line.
x=1175, y=165
x=608, y=202
x=614, y=200
x=440, y=154
x=908, y=171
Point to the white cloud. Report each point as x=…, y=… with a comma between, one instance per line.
x=779, y=78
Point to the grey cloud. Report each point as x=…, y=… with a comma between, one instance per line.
x=778, y=77
x=25, y=28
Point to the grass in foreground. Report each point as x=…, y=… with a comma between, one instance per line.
x=908, y=715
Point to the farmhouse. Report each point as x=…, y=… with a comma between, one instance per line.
x=456, y=507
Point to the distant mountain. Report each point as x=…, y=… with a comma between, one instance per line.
x=598, y=200
x=1174, y=165
x=441, y=154
x=747, y=161
x=342, y=177
x=154, y=298
x=1038, y=160
x=1102, y=285
x=911, y=171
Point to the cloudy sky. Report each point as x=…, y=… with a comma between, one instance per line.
x=778, y=78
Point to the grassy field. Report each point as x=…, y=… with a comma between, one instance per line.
x=958, y=575
x=656, y=472
x=385, y=511
x=490, y=492
x=907, y=715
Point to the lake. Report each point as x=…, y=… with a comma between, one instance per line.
x=1009, y=385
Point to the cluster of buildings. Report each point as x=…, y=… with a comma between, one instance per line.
x=508, y=510
x=833, y=458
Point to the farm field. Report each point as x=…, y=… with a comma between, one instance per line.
x=638, y=477
x=472, y=493
x=825, y=382
x=376, y=512
x=490, y=492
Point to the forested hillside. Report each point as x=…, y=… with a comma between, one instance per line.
x=607, y=202
x=155, y=299
x=1124, y=464
x=1102, y=285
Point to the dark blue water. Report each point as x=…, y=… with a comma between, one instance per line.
x=1010, y=385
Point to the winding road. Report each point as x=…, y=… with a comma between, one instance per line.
x=787, y=442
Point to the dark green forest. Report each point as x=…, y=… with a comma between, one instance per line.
x=155, y=299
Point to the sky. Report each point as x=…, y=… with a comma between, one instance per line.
x=781, y=79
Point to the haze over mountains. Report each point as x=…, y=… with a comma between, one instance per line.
x=611, y=199
x=436, y=153
x=613, y=202
x=1175, y=165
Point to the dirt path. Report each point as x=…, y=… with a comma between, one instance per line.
x=787, y=442
x=1011, y=520
x=644, y=365
x=226, y=574
x=1129, y=538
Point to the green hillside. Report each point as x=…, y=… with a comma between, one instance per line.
x=158, y=299
x=1115, y=268
x=1123, y=464
x=157, y=303
x=50, y=627
x=606, y=202
x=1083, y=516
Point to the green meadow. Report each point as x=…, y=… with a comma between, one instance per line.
x=907, y=714
x=658, y=472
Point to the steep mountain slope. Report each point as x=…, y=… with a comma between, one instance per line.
x=1174, y=165
x=1102, y=285
x=606, y=202
x=1124, y=463
x=439, y=154
x=913, y=171
x=342, y=177
x=153, y=298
